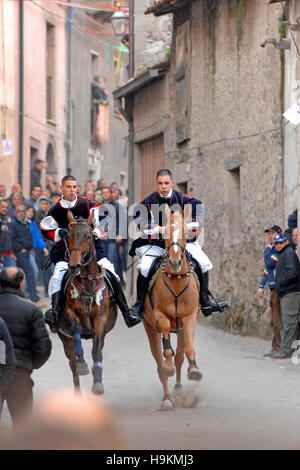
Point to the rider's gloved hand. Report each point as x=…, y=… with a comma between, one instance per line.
x=63, y=233
x=100, y=234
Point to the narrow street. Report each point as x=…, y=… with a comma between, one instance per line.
x=244, y=400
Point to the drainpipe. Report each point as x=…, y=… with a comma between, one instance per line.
x=131, y=38
x=69, y=92
x=127, y=112
x=21, y=91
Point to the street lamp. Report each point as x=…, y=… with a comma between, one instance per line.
x=119, y=22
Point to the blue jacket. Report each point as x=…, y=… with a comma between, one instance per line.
x=271, y=258
x=20, y=235
x=38, y=241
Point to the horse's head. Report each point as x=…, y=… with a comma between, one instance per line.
x=175, y=237
x=80, y=242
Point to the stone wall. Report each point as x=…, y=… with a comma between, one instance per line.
x=235, y=92
x=152, y=37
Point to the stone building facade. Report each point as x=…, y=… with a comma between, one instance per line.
x=217, y=113
x=99, y=132
x=290, y=30
x=32, y=103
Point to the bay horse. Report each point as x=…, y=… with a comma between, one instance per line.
x=173, y=306
x=87, y=311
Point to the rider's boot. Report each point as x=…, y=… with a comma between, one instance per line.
x=52, y=315
x=131, y=318
x=142, y=286
x=208, y=306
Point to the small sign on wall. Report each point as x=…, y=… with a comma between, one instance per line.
x=6, y=147
x=293, y=114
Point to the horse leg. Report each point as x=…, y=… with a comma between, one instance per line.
x=98, y=343
x=179, y=358
x=189, y=328
x=68, y=345
x=167, y=366
x=81, y=365
x=163, y=325
x=155, y=346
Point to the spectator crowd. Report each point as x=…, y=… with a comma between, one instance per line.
x=21, y=241
x=282, y=276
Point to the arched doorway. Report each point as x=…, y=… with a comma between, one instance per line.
x=50, y=161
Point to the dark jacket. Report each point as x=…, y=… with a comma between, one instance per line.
x=35, y=178
x=287, y=275
x=10, y=357
x=150, y=212
x=27, y=328
x=20, y=235
x=5, y=242
x=271, y=258
x=7, y=356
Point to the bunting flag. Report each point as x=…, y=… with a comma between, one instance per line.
x=90, y=6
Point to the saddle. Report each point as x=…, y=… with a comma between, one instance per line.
x=152, y=276
x=64, y=285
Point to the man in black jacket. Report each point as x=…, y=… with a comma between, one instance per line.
x=287, y=284
x=30, y=339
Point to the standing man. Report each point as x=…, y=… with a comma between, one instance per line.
x=22, y=245
x=55, y=226
x=36, y=173
x=30, y=339
x=36, y=193
x=113, y=210
x=6, y=252
x=151, y=222
x=287, y=283
x=271, y=258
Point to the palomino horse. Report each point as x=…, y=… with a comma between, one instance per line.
x=173, y=307
x=87, y=311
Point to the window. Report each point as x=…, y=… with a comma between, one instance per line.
x=94, y=65
x=234, y=201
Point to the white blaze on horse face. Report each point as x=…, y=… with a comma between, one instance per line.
x=175, y=239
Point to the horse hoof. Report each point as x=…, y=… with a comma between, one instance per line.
x=177, y=386
x=194, y=374
x=167, y=405
x=82, y=368
x=97, y=388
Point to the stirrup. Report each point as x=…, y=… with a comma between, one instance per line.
x=51, y=319
x=132, y=318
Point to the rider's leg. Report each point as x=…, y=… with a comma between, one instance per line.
x=52, y=315
x=147, y=254
x=202, y=265
x=141, y=287
x=131, y=318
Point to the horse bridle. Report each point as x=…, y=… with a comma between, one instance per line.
x=87, y=251
x=183, y=249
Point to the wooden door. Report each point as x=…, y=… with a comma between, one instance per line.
x=152, y=160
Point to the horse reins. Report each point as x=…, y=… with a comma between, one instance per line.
x=178, y=276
